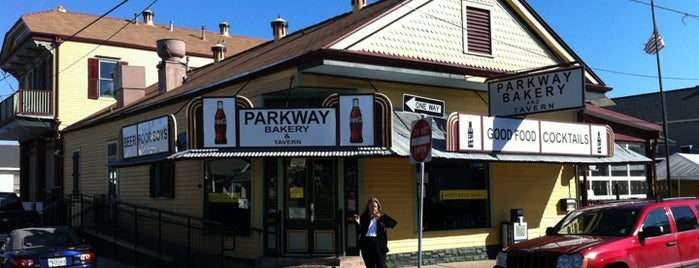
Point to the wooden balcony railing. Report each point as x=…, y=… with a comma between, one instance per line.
x=26, y=102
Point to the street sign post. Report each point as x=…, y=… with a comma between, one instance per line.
x=422, y=105
x=421, y=152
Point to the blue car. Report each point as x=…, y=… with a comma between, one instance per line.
x=58, y=246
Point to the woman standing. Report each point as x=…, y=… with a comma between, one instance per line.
x=373, y=241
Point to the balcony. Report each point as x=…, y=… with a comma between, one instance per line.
x=25, y=114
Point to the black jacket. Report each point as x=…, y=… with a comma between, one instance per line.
x=384, y=221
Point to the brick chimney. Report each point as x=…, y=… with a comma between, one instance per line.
x=129, y=84
x=171, y=70
x=279, y=28
x=219, y=51
x=358, y=4
x=224, y=27
x=148, y=17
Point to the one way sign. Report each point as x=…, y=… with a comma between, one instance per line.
x=422, y=105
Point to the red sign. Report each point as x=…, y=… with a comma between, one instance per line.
x=421, y=141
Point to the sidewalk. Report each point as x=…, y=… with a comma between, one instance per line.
x=466, y=264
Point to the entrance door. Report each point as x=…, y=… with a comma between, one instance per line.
x=310, y=207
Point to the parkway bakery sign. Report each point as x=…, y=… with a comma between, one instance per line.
x=350, y=123
x=556, y=90
x=500, y=134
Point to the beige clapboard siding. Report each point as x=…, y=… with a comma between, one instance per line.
x=536, y=188
x=73, y=103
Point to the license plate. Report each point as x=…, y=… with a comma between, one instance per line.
x=55, y=262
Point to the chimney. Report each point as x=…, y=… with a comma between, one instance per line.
x=219, y=51
x=148, y=17
x=279, y=28
x=358, y=4
x=172, y=25
x=203, y=32
x=129, y=84
x=224, y=27
x=171, y=70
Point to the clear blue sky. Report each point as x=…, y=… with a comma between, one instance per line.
x=607, y=34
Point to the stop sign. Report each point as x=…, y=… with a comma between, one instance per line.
x=421, y=141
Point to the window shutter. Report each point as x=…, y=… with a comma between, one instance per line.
x=93, y=78
x=478, y=28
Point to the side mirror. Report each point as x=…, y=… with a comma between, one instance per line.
x=550, y=231
x=650, y=231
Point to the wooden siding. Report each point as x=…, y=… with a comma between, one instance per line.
x=72, y=75
x=536, y=188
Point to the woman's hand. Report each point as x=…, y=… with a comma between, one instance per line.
x=356, y=218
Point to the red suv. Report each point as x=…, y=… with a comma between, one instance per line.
x=645, y=233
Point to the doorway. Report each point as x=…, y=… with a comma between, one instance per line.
x=310, y=207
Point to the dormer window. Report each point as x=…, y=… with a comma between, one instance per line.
x=100, y=79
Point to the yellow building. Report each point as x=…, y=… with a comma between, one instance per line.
x=64, y=75
x=269, y=141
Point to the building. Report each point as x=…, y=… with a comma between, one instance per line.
x=9, y=171
x=64, y=75
x=269, y=140
x=681, y=122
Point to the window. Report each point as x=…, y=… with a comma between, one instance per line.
x=228, y=188
x=100, y=80
x=657, y=217
x=477, y=35
x=684, y=218
x=162, y=180
x=76, y=172
x=112, y=172
x=456, y=195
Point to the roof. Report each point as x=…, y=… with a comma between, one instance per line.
x=122, y=32
x=682, y=166
x=680, y=104
x=298, y=49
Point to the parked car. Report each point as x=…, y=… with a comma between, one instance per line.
x=13, y=215
x=58, y=246
x=648, y=233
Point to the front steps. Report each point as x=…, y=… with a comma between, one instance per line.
x=289, y=262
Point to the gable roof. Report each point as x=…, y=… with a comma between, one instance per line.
x=311, y=48
x=117, y=32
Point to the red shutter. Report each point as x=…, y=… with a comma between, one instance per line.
x=478, y=29
x=93, y=78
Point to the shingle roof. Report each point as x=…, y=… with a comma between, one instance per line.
x=680, y=104
x=65, y=24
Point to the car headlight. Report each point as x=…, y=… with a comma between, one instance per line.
x=571, y=261
x=501, y=259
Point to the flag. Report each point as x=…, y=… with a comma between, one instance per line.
x=654, y=44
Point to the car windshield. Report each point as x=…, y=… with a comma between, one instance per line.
x=44, y=239
x=607, y=222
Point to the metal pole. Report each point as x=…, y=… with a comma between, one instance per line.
x=422, y=198
x=662, y=102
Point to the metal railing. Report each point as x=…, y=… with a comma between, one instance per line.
x=171, y=238
x=27, y=102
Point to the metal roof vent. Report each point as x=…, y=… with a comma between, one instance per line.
x=279, y=28
x=148, y=16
